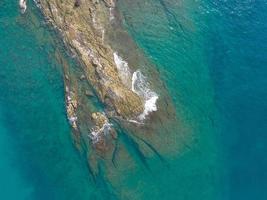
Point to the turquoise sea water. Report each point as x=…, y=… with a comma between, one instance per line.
x=38, y=159
x=211, y=57
x=215, y=49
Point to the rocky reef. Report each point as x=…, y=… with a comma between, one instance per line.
x=82, y=25
x=108, y=71
x=102, y=131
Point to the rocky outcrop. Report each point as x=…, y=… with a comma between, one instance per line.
x=83, y=30
x=71, y=105
x=103, y=133
x=102, y=126
x=125, y=92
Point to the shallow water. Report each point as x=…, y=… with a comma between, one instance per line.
x=211, y=57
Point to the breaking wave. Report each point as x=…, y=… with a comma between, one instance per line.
x=141, y=87
x=23, y=6
x=96, y=134
x=123, y=69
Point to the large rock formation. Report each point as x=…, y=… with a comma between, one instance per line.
x=82, y=25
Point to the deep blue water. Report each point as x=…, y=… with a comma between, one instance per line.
x=238, y=67
x=234, y=36
x=211, y=55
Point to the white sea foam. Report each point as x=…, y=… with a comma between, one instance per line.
x=72, y=117
x=111, y=14
x=37, y=3
x=123, y=69
x=95, y=135
x=103, y=35
x=141, y=87
x=135, y=121
x=23, y=6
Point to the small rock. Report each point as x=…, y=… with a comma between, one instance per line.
x=99, y=119
x=82, y=77
x=88, y=93
x=114, y=135
x=77, y=3
x=94, y=115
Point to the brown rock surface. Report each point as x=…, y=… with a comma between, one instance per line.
x=83, y=30
x=71, y=105
x=102, y=131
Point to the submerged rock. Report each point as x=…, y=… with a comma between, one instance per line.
x=99, y=119
x=89, y=93
x=102, y=131
x=77, y=3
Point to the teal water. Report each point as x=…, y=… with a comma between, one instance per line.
x=170, y=34
x=209, y=54
x=212, y=55
x=38, y=159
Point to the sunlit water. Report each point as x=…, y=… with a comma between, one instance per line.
x=211, y=57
